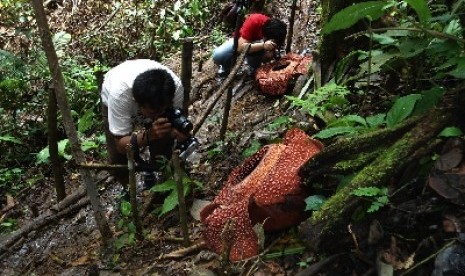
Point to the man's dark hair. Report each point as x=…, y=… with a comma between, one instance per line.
x=275, y=29
x=154, y=88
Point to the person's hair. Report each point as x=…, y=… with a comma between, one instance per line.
x=154, y=88
x=275, y=29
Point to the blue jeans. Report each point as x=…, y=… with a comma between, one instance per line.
x=223, y=56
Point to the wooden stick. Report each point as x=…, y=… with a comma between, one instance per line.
x=220, y=92
x=132, y=192
x=290, y=34
x=186, y=70
x=181, y=200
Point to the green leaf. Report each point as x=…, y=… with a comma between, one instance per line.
x=355, y=119
x=166, y=186
x=428, y=100
x=376, y=120
x=367, y=191
x=402, y=108
x=451, y=132
x=413, y=46
x=120, y=242
x=88, y=145
x=85, y=122
x=374, y=207
x=335, y=131
x=421, y=8
x=351, y=15
x=125, y=208
x=9, y=138
x=171, y=201
x=6, y=224
x=176, y=34
x=459, y=70
x=281, y=120
x=60, y=40
x=177, y=5
x=384, y=39
x=43, y=156
x=254, y=147
x=383, y=199
x=378, y=59
x=62, y=149
x=314, y=203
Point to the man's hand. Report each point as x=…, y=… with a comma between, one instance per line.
x=269, y=45
x=161, y=127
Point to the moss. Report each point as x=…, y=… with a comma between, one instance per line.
x=388, y=162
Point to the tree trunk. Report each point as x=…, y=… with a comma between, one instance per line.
x=57, y=166
x=333, y=45
x=69, y=125
x=325, y=224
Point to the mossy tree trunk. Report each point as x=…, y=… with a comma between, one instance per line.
x=389, y=156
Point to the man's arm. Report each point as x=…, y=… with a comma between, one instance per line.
x=160, y=129
x=268, y=45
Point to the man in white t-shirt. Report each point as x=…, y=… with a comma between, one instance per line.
x=143, y=87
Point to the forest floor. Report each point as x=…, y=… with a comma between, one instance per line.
x=71, y=245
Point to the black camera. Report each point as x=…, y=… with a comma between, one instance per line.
x=178, y=120
x=182, y=124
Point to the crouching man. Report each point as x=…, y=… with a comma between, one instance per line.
x=131, y=92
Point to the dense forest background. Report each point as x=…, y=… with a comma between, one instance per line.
x=384, y=94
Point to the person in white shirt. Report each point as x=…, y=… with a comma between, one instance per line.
x=135, y=87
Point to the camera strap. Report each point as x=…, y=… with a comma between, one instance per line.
x=135, y=148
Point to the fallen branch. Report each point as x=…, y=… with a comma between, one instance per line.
x=196, y=90
x=418, y=264
x=220, y=91
x=184, y=251
x=40, y=222
x=101, y=166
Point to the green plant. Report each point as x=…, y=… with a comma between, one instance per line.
x=314, y=202
x=169, y=187
x=331, y=97
x=403, y=107
x=377, y=196
x=88, y=144
x=8, y=225
x=253, y=148
x=10, y=179
x=216, y=149
x=451, y=132
x=425, y=42
x=306, y=262
x=285, y=121
x=285, y=252
x=126, y=226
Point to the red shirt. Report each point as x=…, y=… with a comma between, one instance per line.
x=251, y=30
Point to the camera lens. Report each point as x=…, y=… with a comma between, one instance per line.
x=179, y=121
x=186, y=126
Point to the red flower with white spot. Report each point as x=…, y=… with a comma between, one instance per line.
x=264, y=189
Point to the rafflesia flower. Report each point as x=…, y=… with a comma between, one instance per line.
x=264, y=189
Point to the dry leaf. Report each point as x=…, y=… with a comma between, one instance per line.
x=83, y=260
